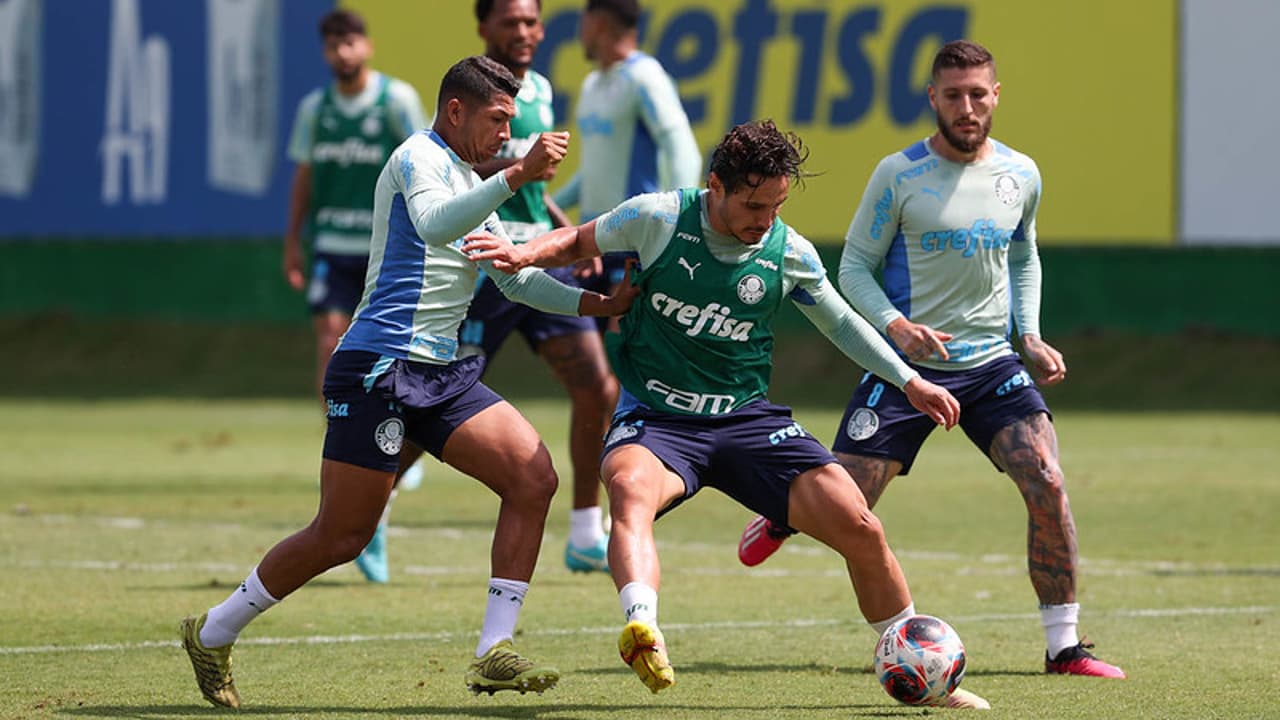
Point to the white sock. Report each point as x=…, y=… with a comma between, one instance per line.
x=1060, y=623
x=586, y=527
x=501, y=612
x=639, y=602
x=244, y=604
x=883, y=625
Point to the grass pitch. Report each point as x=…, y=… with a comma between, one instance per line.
x=118, y=517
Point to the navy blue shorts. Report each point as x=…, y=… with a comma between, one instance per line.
x=879, y=421
x=375, y=402
x=337, y=283
x=492, y=317
x=751, y=454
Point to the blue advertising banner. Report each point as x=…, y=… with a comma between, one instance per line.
x=151, y=118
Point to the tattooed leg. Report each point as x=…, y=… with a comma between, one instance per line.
x=1028, y=451
x=872, y=474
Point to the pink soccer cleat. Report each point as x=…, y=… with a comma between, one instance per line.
x=760, y=539
x=1077, y=660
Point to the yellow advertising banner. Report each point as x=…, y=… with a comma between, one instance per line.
x=1088, y=89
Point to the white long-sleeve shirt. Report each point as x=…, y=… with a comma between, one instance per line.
x=419, y=283
x=633, y=137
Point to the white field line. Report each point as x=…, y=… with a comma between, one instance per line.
x=965, y=565
x=592, y=631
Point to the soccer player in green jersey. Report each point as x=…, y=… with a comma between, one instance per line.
x=571, y=346
x=951, y=223
x=342, y=135
x=694, y=358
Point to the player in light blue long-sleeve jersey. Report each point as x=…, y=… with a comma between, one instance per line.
x=396, y=376
x=633, y=133
x=951, y=224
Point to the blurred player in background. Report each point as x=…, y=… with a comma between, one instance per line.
x=342, y=135
x=633, y=134
x=951, y=223
x=694, y=358
x=396, y=376
x=571, y=347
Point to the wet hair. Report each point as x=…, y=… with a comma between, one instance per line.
x=962, y=54
x=625, y=12
x=477, y=79
x=484, y=7
x=755, y=151
x=341, y=22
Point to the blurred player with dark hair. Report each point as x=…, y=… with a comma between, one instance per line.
x=633, y=133
x=571, y=347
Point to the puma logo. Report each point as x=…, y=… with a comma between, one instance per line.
x=685, y=264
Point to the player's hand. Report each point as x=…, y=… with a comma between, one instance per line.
x=505, y=256
x=918, y=342
x=292, y=265
x=933, y=400
x=588, y=267
x=617, y=303
x=1047, y=365
x=543, y=157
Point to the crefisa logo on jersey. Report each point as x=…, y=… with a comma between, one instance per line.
x=862, y=424
x=751, y=289
x=390, y=435
x=1007, y=190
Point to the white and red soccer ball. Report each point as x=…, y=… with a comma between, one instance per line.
x=919, y=660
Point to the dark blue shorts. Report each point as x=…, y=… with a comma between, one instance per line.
x=376, y=402
x=879, y=421
x=337, y=283
x=751, y=454
x=492, y=317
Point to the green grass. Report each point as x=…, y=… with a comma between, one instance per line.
x=119, y=516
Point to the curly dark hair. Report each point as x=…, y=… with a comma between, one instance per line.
x=755, y=151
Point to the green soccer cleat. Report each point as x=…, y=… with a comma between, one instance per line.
x=502, y=668
x=643, y=648
x=212, y=665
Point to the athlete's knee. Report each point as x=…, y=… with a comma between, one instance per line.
x=628, y=491
x=533, y=482
x=338, y=545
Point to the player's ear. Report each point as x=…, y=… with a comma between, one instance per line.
x=995, y=94
x=933, y=98
x=453, y=111
x=714, y=183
